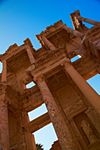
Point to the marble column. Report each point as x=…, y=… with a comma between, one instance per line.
x=46, y=42
x=30, y=55
x=63, y=132
x=89, y=21
x=85, y=88
x=4, y=130
x=29, y=138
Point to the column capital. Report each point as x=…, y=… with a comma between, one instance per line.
x=66, y=62
x=30, y=69
x=39, y=79
x=45, y=42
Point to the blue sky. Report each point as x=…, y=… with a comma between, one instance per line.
x=20, y=19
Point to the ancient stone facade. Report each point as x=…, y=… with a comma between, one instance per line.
x=73, y=106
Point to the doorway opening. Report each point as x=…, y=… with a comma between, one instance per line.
x=46, y=136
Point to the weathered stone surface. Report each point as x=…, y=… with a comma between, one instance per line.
x=73, y=106
x=56, y=146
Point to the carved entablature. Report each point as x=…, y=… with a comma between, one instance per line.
x=14, y=49
x=50, y=32
x=60, y=36
x=86, y=67
x=15, y=98
x=18, y=61
x=49, y=56
x=11, y=50
x=48, y=62
x=52, y=29
x=32, y=99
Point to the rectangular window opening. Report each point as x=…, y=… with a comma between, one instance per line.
x=94, y=82
x=75, y=58
x=30, y=85
x=37, y=112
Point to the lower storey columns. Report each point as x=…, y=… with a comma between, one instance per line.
x=29, y=138
x=60, y=125
x=4, y=131
x=89, y=93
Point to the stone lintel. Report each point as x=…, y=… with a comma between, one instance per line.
x=32, y=99
x=39, y=122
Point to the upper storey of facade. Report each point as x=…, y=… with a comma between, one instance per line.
x=57, y=43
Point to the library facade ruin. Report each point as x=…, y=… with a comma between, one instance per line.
x=73, y=105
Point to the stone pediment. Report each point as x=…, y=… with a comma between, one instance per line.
x=11, y=50
x=53, y=28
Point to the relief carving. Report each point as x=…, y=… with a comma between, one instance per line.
x=88, y=131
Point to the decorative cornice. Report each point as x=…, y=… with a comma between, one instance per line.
x=51, y=29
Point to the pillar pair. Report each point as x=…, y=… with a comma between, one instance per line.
x=58, y=118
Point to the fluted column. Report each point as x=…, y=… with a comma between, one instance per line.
x=85, y=88
x=4, y=131
x=56, y=116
